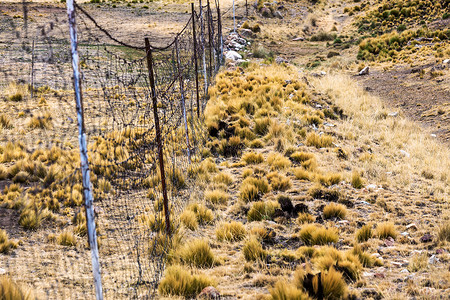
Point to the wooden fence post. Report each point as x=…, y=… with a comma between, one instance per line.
x=195, y=59
x=219, y=25
x=202, y=38
x=87, y=192
x=208, y=14
x=158, y=135
x=32, y=71
x=183, y=102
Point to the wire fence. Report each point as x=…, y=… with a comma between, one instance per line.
x=40, y=173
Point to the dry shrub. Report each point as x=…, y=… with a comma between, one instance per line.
x=252, y=158
x=217, y=197
x=189, y=220
x=223, y=178
x=262, y=125
x=251, y=187
x=196, y=253
x=67, y=238
x=418, y=262
x=329, y=179
x=302, y=174
x=262, y=211
x=318, y=141
x=312, y=234
x=366, y=259
x=299, y=156
x=385, y=230
x=209, y=165
x=9, y=290
x=332, y=285
x=444, y=232
x=305, y=218
x=232, y=232
x=364, y=233
x=253, y=250
x=286, y=291
x=334, y=210
x=278, y=182
x=277, y=161
x=356, y=181
x=41, y=122
x=180, y=282
x=5, y=244
x=5, y=122
x=204, y=215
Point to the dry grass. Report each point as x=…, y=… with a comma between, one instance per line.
x=312, y=234
x=318, y=141
x=203, y=214
x=286, y=291
x=262, y=211
x=43, y=121
x=217, y=197
x=385, y=230
x=329, y=179
x=305, y=218
x=223, y=178
x=5, y=244
x=9, y=290
x=278, y=182
x=67, y=238
x=196, y=253
x=5, y=122
x=300, y=157
x=444, y=232
x=232, y=232
x=251, y=187
x=252, y=158
x=334, y=210
x=253, y=250
x=189, y=219
x=302, y=174
x=278, y=162
x=364, y=233
x=356, y=181
x=178, y=281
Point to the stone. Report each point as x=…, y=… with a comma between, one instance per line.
x=209, y=292
x=286, y=204
x=301, y=208
x=404, y=271
x=278, y=14
x=246, y=33
x=426, y=238
x=439, y=251
x=299, y=38
x=433, y=259
x=2, y=271
x=371, y=293
x=393, y=114
x=389, y=242
x=411, y=226
x=364, y=71
x=233, y=55
x=446, y=62
x=404, y=153
x=379, y=275
x=278, y=213
x=266, y=13
x=280, y=60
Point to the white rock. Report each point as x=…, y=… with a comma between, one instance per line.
x=433, y=259
x=371, y=187
x=233, y=55
x=393, y=114
x=298, y=39
x=404, y=233
x=2, y=271
x=433, y=135
x=405, y=153
x=446, y=61
x=323, y=73
x=364, y=71
x=404, y=271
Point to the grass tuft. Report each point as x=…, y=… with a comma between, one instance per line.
x=253, y=250
x=319, y=141
x=312, y=234
x=217, y=197
x=305, y=218
x=204, y=215
x=385, y=230
x=262, y=211
x=9, y=290
x=252, y=158
x=232, y=232
x=444, y=232
x=67, y=238
x=364, y=233
x=180, y=282
x=277, y=161
x=197, y=253
x=334, y=210
x=356, y=181
x=5, y=244
x=189, y=220
x=285, y=291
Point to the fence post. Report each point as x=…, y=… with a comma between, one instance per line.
x=246, y=8
x=202, y=37
x=219, y=25
x=183, y=102
x=87, y=193
x=25, y=17
x=158, y=135
x=208, y=14
x=32, y=71
x=234, y=18
x=195, y=59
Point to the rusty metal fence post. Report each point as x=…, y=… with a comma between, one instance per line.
x=195, y=59
x=87, y=192
x=158, y=134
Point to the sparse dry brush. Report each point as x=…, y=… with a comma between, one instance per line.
x=232, y=232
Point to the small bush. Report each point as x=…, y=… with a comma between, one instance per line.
x=305, y=218
x=197, y=253
x=262, y=210
x=180, y=282
x=262, y=125
x=16, y=97
x=223, y=178
x=5, y=122
x=365, y=258
x=277, y=161
x=444, y=232
x=253, y=250
x=204, y=215
x=334, y=210
x=9, y=290
x=285, y=291
x=329, y=179
x=67, y=238
x=299, y=156
x=232, y=232
x=248, y=193
x=217, y=197
x=312, y=234
x=323, y=36
x=302, y=174
x=278, y=182
x=364, y=233
x=5, y=244
x=418, y=262
x=252, y=158
x=41, y=122
x=334, y=286
x=385, y=230
x=319, y=141
x=357, y=181
x=251, y=186
x=189, y=220
x=209, y=165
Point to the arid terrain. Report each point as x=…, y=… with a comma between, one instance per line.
x=323, y=170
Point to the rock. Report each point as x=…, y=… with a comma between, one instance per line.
x=2, y=271
x=433, y=259
x=446, y=62
x=393, y=114
x=286, y=204
x=404, y=153
x=379, y=275
x=265, y=12
x=301, y=208
x=371, y=293
x=439, y=251
x=278, y=14
x=246, y=33
x=404, y=233
x=426, y=238
x=278, y=213
x=299, y=38
x=411, y=226
x=209, y=292
x=371, y=187
x=280, y=60
x=233, y=55
x=364, y=71
x=389, y=242
x=404, y=271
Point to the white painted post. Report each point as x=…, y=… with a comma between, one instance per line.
x=202, y=37
x=87, y=193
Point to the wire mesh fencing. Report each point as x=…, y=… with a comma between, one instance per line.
x=42, y=196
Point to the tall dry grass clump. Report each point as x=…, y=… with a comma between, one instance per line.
x=232, y=232
x=385, y=230
x=9, y=290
